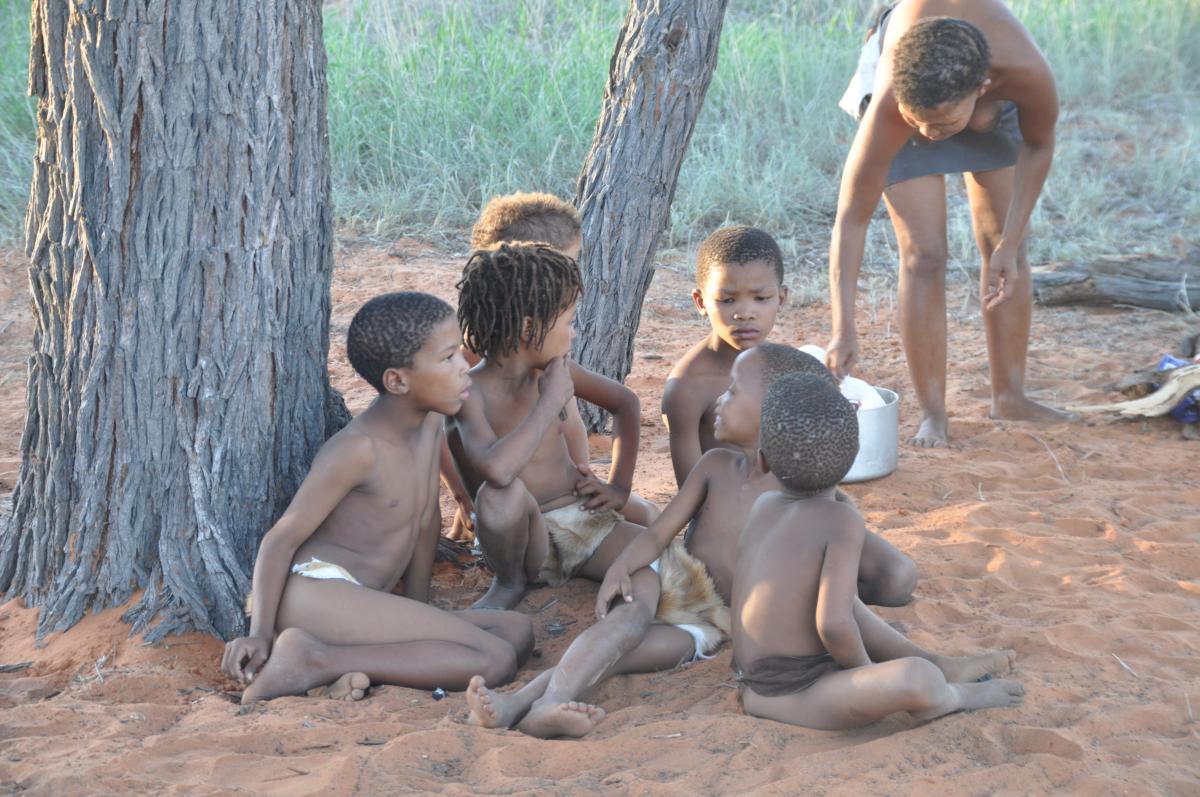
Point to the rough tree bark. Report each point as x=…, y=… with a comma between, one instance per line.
x=179, y=230
x=659, y=72
x=1161, y=283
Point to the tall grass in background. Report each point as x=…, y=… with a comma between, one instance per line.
x=436, y=105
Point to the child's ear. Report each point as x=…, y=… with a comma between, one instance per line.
x=698, y=300
x=762, y=462
x=396, y=380
x=527, y=328
x=783, y=294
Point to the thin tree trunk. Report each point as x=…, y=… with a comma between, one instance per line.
x=179, y=230
x=659, y=73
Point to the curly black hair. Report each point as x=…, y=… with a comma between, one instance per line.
x=734, y=246
x=809, y=433
x=526, y=217
x=939, y=60
x=500, y=287
x=388, y=330
x=780, y=359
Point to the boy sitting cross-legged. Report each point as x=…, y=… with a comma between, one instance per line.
x=806, y=650
x=366, y=519
x=688, y=604
x=537, y=520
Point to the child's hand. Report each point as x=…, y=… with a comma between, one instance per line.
x=616, y=582
x=244, y=656
x=556, y=385
x=601, y=496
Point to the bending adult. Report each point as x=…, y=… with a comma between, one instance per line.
x=960, y=86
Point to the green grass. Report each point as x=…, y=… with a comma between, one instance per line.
x=436, y=105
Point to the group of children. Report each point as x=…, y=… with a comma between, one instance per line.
x=773, y=556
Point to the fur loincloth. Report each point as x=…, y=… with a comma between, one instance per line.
x=575, y=534
x=689, y=597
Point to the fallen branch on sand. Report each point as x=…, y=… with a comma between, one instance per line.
x=1179, y=382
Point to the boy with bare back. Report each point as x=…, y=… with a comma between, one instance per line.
x=538, y=217
x=537, y=520
x=688, y=603
x=365, y=520
x=806, y=650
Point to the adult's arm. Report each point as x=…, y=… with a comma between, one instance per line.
x=880, y=136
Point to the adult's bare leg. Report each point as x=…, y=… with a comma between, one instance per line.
x=330, y=628
x=1007, y=326
x=514, y=539
x=852, y=698
x=918, y=211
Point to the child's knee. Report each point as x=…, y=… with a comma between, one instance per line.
x=920, y=681
x=899, y=581
x=500, y=666
x=501, y=507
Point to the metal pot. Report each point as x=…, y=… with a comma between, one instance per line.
x=878, y=439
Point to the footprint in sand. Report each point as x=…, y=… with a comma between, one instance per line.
x=1030, y=741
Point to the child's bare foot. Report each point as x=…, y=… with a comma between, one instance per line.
x=991, y=694
x=552, y=720
x=351, y=686
x=500, y=596
x=491, y=709
x=290, y=669
x=1022, y=408
x=968, y=669
x=932, y=433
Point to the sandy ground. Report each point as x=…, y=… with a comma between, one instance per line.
x=1076, y=545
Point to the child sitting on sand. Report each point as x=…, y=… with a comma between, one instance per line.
x=365, y=519
x=537, y=520
x=689, y=610
x=739, y=289
x=804, y=645
x=544, y=218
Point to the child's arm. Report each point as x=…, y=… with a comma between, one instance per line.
x=419, y=572
x=577, y=437
x=626, y=410
x=500, y=460
x=453, y=479
x=839, y=588
x=650, y=543
x=681, y=415
x=342, y=464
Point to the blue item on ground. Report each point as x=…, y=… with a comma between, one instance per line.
x=1187, y=410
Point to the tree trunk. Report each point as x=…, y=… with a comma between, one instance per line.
x=1163, y=284
x=659, y=73
x=179, y=229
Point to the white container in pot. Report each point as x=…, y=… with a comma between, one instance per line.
x=878, y=439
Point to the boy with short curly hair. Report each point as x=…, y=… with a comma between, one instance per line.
x=365, y=521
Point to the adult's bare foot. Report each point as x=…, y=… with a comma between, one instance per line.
x=500, y=596
x=932, y=433
x=351, y=686
x=492, y=709
x=968, y=669
x=1023, y=408
x=991, y=694
x=290, y=669
x=552, y=720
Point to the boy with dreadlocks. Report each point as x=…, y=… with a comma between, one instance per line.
x=808, y=654
x=536, y=519
x=366, y=520
x=684, y=616
x=525, y=217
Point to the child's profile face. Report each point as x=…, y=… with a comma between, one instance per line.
x=739, y=408
x=558, y=339
x=741, y=301
x=438, y=380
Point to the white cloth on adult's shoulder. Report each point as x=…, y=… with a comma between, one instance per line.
x=863, y=81
x=854, y=389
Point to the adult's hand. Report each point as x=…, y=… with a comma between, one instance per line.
x=1000, y=277
x=841, y=356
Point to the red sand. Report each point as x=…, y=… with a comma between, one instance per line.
x=1074, y=545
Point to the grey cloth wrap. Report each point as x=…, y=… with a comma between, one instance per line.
x=773, y=676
